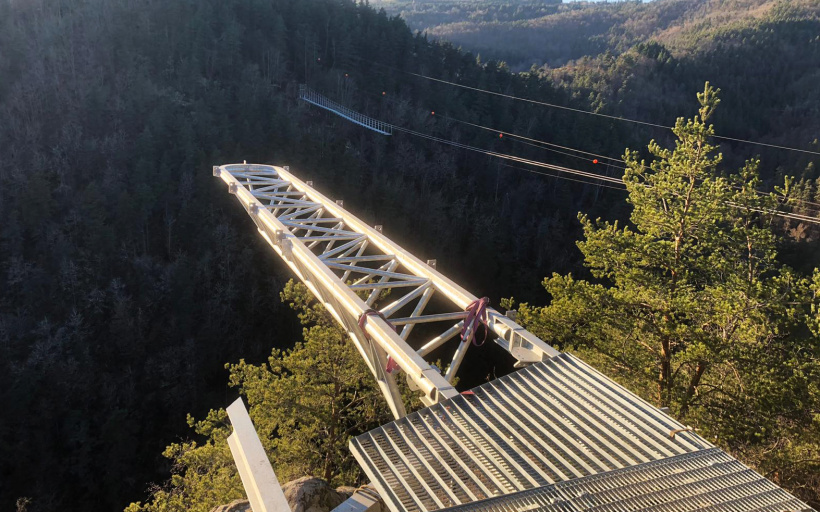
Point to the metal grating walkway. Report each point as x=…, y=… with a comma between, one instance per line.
x=706, y=480
x=554, y=421
x=313, y=97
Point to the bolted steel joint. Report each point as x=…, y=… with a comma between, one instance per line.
x=287, y=248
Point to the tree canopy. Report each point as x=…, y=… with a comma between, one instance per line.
x=129, y=277
x=691, y=307
x=306, y=402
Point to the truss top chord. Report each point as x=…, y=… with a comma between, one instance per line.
x=523, y=442
x=348, y=265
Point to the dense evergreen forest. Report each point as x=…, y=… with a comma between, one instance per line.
x=129, y=275
x=644, y=60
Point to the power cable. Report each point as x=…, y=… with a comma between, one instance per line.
x=510, y=157
x=577, y=110
x=536, y=142
x=567, y=169
x=617, y=118
x=793, y=216
x=533, y=171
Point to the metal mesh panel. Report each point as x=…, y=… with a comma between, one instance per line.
x=706, y=480
x=319, y=100
x=555, y=421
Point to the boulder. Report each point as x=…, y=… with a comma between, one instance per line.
x=234, y=506
x=311, y=494
x=306, y=494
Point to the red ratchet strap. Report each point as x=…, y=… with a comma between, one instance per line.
x=391, y=365
x=476, y=315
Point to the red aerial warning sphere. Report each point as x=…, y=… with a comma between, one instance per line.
x=500, y=135
x=595, y=161
x=384, y=93
x=433, y=113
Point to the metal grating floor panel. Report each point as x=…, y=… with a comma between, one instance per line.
x=706, y=480
x=555, y=421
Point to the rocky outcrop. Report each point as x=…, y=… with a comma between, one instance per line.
x=306, y=494
x=311, y=494
x=234, y=506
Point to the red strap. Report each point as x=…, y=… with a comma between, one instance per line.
x=391, y=365
x=476, y=315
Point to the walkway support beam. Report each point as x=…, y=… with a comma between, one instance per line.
x=349, y=266
x=258, y=478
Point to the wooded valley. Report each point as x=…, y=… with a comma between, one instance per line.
x=130, y=278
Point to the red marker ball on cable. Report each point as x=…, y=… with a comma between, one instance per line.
x=595, y=161
x=500, y=135
x=433, y=113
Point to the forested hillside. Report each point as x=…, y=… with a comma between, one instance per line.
x=644, y=60
x=552, y=33
x=130, y=277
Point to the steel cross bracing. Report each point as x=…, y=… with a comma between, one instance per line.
x=349, y=266
x=313, y=97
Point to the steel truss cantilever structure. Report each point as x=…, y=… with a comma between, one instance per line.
x=555, y=436
x=348, y=265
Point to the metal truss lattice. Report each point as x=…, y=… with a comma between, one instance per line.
x=350, y=266
x=554, y=436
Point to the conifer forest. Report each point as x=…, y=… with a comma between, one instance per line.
x=137, y=300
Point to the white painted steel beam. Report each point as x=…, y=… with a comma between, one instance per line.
x=524, y=345
x=364, y=499
x=349, y=266
x=258, y=478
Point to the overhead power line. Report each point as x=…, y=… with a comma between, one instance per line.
x=541, y=143
x=585, y=174
x=578, y=172
x=558, y=176
x=511, y=157
x=617, y=118
x=578, y=110
x=538, y=143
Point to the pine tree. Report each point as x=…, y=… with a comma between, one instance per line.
x=690, y=306
x=306, y=403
